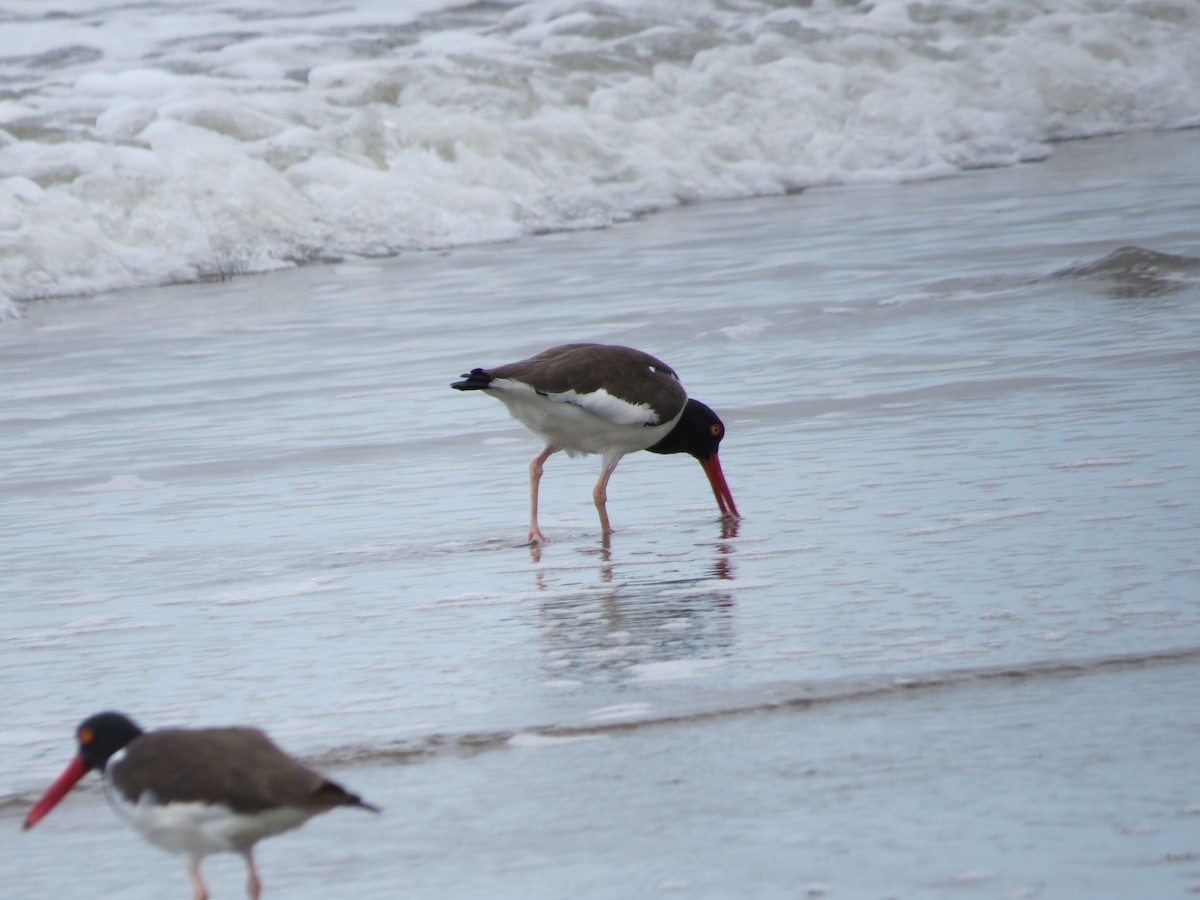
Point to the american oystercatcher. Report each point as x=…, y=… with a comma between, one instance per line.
x=197, y=791
x=598, y=398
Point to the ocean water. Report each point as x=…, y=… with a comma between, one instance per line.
x=952, y=649
x=181, y=140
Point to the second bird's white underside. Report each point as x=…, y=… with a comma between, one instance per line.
x=195, y=830
x=583, y=423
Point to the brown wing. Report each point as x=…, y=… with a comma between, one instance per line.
x=237, y=767
x=632, y=375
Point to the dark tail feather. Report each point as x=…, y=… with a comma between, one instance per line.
x=477, y=380
x=333, y=794
x=363, y=804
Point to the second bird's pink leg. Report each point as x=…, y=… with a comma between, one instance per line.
x=535, y=476
x=600, y=493
x=253, y=885
x=199, y=891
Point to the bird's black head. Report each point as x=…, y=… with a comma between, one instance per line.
x=698, y=432
x=102, y=735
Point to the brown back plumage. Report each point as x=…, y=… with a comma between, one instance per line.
x=240, y=768
x=632, y=375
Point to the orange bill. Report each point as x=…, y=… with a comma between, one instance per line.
x=75, y=770
x=716, y=478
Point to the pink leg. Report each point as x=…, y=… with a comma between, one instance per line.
x=199, y=891
x=253, y=885
x=600, y=494
x=535, y=476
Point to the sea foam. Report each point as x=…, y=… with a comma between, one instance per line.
x=167, y=142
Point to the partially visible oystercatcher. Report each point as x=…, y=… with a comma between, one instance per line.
x=597, y=398
x=197, y=791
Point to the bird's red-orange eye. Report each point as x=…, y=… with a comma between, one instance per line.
x=86, y=735
x=715, y=430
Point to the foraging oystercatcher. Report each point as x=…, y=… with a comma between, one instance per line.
x=598, y=398
x=197, y=791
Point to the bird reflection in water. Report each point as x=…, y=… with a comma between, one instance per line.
x=640, y=609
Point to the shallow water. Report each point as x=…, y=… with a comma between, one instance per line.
x=962, y=431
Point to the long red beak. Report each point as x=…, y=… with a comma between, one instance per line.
x=75, y=770
x=712, y=468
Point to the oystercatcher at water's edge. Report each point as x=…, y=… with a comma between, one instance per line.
x=197, y=791
x=598, y=398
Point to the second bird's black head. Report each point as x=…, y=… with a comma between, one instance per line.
x=103, y=735
x=698, y=433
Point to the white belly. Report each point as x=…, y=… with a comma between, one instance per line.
x=197, y=829
x=579, y=430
